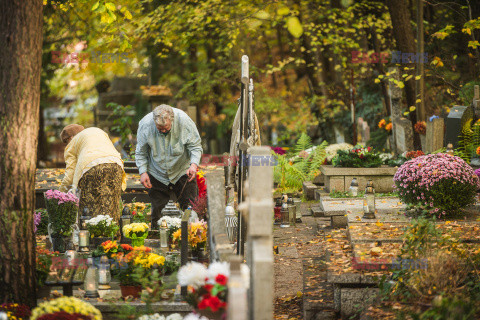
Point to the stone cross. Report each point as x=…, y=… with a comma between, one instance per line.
x=259, y=204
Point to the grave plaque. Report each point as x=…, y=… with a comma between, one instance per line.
x=434, y=137
x=456, y=119
x=403, y=135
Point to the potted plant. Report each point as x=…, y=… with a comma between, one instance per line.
x=43, y=266
x=134, y=266
x=101, y=228
x=197, y=238
x=110, y=249
x=65, y=308
x=137, y=231
x=62, y=214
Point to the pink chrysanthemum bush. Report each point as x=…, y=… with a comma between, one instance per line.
x=440, y=182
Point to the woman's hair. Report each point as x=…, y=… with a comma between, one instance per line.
x=70, y=131
x=163, y=114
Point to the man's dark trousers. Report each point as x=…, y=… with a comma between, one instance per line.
x=160, y=194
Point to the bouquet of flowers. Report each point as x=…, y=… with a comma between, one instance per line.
x=43, y=264
x=16, y=311
x=207, y=288
x=173, y=224
x=202, y=187
x=385, y=124
x=197, y=234
x=102, y=226
x=420, y=127
x=358, y=157
x=139, y=210
x=111, y=248
x=137, y=231
x=137, y=263
x=414, y=154
x=62, y=212
x=61, y=307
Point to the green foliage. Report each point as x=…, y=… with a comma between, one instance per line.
x=358, y=157
x=293, y=169
x=378, y=139
x=469, y=141
x=61, y=217
x=456, y=308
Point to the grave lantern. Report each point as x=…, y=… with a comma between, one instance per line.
x=91, y=280
x=450, y=149
x=231, y=223
x=171, y=210
x=369, y=201
x=164, y=235
x=84, y=218
x=277, y=211
x=285, y=223
x=298, y=213
x=3, y=316
x=104, y=275
x=83, y=240
x=71, y=256
x=292, y=215
x=353, y=190
x=125, y=219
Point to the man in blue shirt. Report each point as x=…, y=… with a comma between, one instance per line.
x=168, y=153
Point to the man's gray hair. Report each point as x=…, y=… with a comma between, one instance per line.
x=163, y=114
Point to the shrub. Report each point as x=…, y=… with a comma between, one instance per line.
x=358, y=157
x=437, y=181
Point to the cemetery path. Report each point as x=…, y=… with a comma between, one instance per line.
x=297, y=246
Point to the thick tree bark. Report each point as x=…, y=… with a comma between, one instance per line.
x=20, y=67
x=400, y=15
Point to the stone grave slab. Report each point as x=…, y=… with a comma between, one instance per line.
x=337, y=207
x=456, y=119
x=356, y=216
x=365, y=259
x=374, y=232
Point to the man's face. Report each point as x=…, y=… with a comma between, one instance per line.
x=166, y=128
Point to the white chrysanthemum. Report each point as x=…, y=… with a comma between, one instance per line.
x=192, y=274
x=175, y=316
x=245, y=270
x=332, y=149
x=217, y=268
x=193, y=316
x=155, y=316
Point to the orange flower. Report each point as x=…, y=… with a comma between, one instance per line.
x=388, y=127
x=478, y=150
x=382, y=123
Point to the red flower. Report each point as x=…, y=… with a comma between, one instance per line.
x=134, y=212
x=208, y=287
x=221, y=279
x=126, y=247
x=212, y=302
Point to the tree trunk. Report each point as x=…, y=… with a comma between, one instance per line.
x=406, y=44
x=20, y=67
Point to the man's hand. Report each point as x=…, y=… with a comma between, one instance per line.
x=192, y=172
x=145, y=180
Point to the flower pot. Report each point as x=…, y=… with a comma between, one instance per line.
x=43, y=292
x=133, y=291
x=217, y=315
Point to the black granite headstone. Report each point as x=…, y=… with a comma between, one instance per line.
x=456, y=119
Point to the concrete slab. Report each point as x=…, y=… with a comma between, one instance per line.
x=338, y=207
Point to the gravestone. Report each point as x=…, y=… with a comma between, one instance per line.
x=403, y=135
x=434, y=136
x=395, y=94
x=456, y=119
x=363, y=131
